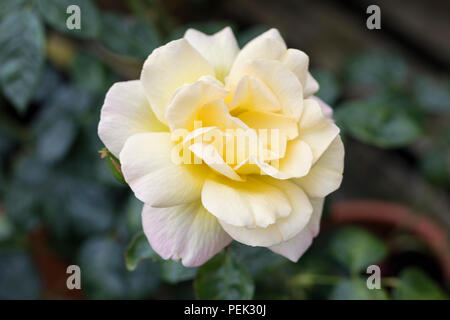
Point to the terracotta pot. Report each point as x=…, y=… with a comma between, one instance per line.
x=389, y=215
x=52, y=268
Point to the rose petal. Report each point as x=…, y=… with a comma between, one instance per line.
x=209, y=154
x=269, y=45
x=284, y=228
x=244, y=204
x=326, y=174
x=220, y=49
x=187, y=99
x=295, y=164
x=168, y=68
x=279, y=79
x=297, y=61
x=250, y=93
x=149, y=168
x=311, y=86
x=187, y=232
x=326, y=109
x=125, y=112
x=316, y=129
x=293, y=249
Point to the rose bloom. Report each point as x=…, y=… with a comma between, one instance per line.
x=269, y=194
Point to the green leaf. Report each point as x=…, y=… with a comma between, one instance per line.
x=21, y=56
x=55, y=14
x=432, y=96
x=6, y=227
x=127, y=36
x=90, y=209
x=379, y=71
x=18, y=277
x=356, y=289
x=223, y=278
x=85, y=64
x=8, y=6
x=105, y=276
x=416, y=285
x=138, y=250
x=48, y=85
x=54, y=141
x=133, y=215
x=356, y=249
x=381, y=124
x=20, y=201
x=174, y=272
x=258, y=261
x=435, y=166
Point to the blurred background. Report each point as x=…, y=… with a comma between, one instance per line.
x=61, y=205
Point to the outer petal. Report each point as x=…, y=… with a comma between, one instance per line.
x=297, y=61
x=326, y=174
x=154, y=177
x=316, y=129
x=311, y=86
x=326, y=109
x=220, y=49
x=293, y=249
x=244, y=204
x=168, y=68
x=187, y=232
x=125, y=112
x=269, y=45
x=285, y=228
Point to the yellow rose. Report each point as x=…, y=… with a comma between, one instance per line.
x=221, y=144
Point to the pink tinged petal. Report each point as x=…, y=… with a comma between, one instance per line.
x=220, y=49
x=294, y=248
x=187, y=232
x=284, y=228
x=168, y=68
x=244, y=204
x=316, y=129
x=155, y=178
x=326, y=109
x=326, y=174
x=125, y=112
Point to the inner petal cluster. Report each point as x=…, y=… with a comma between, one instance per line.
x=241, y=127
